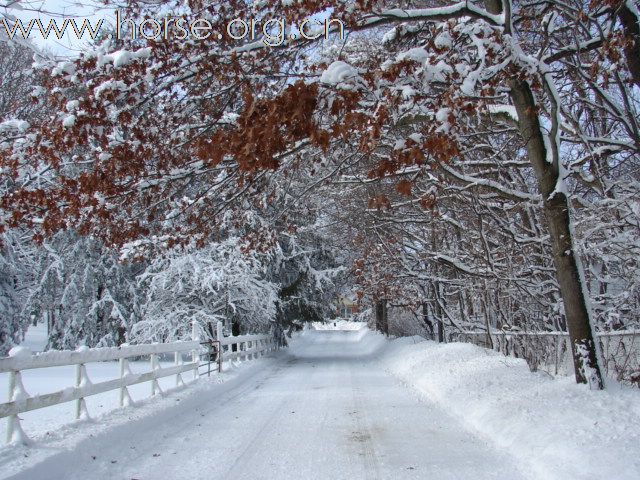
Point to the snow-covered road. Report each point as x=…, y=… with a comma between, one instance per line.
x=322, y=409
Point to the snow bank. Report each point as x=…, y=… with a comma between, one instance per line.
x=559, y=429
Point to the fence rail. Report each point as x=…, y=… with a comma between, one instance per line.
x=551, y=351
x=224, y=349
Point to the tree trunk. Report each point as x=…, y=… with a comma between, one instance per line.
x=101, y=323
x=426, y=320
x=438, y=311
x=382, y=322
x=385, y=316
x=556, y=210
x=487, y=322
x=235, y=331
x=378, y=310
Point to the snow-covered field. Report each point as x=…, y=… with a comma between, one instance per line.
x=331, y=406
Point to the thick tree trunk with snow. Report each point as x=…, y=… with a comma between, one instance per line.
x=556, y=210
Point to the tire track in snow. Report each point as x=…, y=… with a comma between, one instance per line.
x=362, y=437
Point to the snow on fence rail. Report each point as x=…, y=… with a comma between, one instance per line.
x=244, y=347
x=551, y=350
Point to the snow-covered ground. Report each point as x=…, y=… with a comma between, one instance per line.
x=553, y=427
x=338, y=324
x=36, y=338
x=327, y=407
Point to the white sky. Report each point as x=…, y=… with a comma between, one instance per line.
x=58, y=9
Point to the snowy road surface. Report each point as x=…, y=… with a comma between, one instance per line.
x=322, y=410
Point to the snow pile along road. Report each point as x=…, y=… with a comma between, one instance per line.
x=559, y=429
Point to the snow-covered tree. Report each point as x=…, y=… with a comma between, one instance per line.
x=219, y=282
x=309, y=278
x=12, y=324
x=16, y=247
x=84, y=294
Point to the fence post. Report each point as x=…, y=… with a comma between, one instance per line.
x=177, y=356
x=81, y=381
x=125, y=398
x=12, y=420
x=16, y=392
x=220, y=338
x=195, y=356
x=155, y=386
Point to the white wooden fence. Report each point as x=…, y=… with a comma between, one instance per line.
x=227, y=349
x=243, y=347
x=551, y=350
